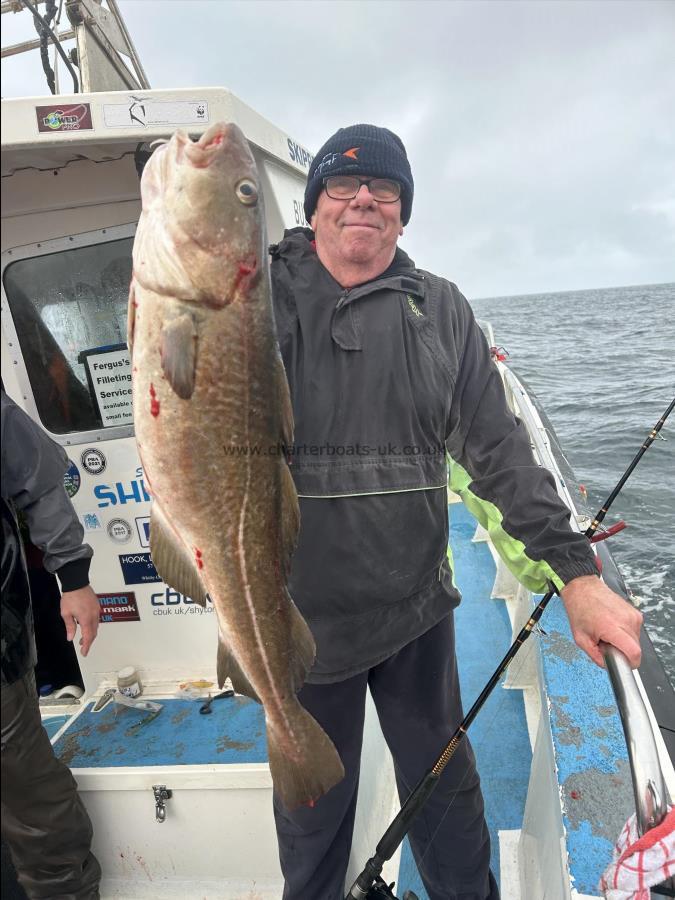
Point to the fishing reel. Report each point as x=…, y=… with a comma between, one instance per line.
x=383, y=891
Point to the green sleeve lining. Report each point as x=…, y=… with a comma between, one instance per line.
x=535, y=575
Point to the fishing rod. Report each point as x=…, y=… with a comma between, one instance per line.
x=370, y=885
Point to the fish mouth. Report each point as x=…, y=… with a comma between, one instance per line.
x=209, y=147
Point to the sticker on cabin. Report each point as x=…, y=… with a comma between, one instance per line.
x=119, y=530
x=118, y=608
x=91, y=522
x=74, y=117
x=93, y=461
x=109, y=376
x=172, y=603
x=143, y=528
x=138, y=568
x=72, y=480
x=144, y=112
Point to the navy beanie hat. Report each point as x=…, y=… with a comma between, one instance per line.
x=361, y=150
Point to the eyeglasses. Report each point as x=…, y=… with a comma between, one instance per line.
x=346, y=187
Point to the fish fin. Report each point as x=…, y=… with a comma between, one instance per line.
x=172, y=559
x=228, y=667
x=131, y=315
x=290, y=509
x=290, y=518
x=179, y=354
x=285, y=405
x=304, y=647
x=300, y=779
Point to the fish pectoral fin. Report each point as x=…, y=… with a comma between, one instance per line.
x=178, y=354
x=172, y=559
x=305, y=763
x=228, y=667
x=131, y=315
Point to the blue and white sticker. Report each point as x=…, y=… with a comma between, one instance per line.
x=91, y=521
x=137, y=568
x=72, y=480
x=93, y=461
x=143, y=528
x=119, y=530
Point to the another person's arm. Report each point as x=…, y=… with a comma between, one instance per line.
x=32, y=478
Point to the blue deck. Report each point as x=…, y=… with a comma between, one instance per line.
x=499, y=734
x=180, y=735
x=590, y=752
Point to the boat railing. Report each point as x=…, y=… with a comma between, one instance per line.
x=649, y=784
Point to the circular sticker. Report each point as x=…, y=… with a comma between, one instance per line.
x=93, y=461
x=72, y=480
x=119, y=530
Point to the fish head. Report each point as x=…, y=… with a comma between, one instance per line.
x=203, y=230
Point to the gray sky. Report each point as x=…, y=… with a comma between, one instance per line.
x=541, y=134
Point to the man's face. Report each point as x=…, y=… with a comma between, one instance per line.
x=357, y=232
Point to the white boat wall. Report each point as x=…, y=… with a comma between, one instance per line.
x=181, y=801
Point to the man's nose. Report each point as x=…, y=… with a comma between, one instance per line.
x=363, y=196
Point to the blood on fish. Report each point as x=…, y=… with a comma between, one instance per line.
x=198, y=558
x=245, y=269
x=154, y=402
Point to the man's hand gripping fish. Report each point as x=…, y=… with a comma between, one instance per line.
x=213, y=414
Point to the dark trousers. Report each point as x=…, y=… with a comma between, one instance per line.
x=44, y=821
x=417, y=697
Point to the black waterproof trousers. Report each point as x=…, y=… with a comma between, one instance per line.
x=417, y=697
x=44, y=821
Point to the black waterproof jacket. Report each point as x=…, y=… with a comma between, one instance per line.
x=391, y=381
x=33, y=467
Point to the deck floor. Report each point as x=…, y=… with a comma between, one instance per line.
x=499, y=734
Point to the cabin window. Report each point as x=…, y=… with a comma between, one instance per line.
x=69, y=310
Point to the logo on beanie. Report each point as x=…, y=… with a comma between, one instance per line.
x=330, y=159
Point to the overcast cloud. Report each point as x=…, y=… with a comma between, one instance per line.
x=541, y=134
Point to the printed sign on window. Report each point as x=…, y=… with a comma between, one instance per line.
x=109, y=375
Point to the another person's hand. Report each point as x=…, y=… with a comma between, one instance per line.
x=597, y=614
x=81, y=608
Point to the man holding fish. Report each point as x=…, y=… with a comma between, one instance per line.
x=388, y=369
x=387, y=372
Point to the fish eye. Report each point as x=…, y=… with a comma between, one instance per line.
x=247, y=192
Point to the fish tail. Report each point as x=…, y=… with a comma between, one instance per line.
x=311, y=768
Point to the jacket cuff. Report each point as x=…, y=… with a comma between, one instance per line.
x=74, y=574
x=578, y=569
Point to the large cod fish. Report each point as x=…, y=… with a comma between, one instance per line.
x=212, y=412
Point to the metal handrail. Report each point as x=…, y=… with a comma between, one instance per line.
x=649, y=784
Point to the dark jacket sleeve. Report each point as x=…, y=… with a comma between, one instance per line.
x=32, y=478
x=493, y=468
